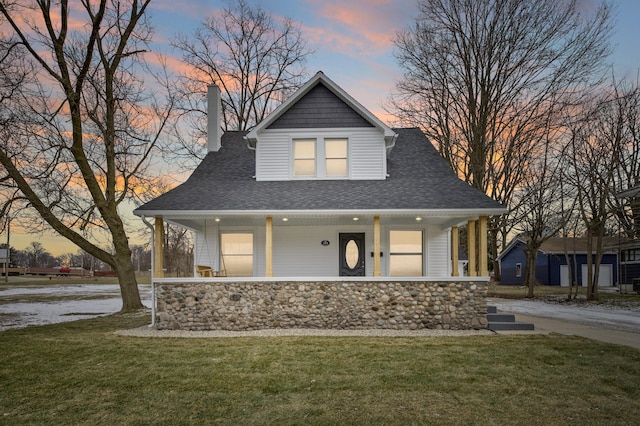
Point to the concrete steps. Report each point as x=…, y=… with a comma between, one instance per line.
x=500, y=322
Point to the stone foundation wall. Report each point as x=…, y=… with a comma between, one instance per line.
x=256, y=305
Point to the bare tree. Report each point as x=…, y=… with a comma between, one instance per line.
x=595, y=153
x=255, y=60
x=627, y=174
x=178, y=253
x=541, y=210
x=83, y=124
x=484, y=78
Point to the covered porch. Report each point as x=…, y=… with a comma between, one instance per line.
x=328, y=244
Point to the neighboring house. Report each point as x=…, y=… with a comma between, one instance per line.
x=630, y=250
x=323, y=189
x=551, y=263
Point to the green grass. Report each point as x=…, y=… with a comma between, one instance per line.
x=81, y=373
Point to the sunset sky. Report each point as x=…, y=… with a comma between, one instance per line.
x=353, y=46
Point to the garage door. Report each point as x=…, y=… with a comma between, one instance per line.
x=564, y=276
x=605, y=277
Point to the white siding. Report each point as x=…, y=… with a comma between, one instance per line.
x=366, y=152
x=273, y=156
x=438, y=252
x=298, y=251
x=206, y=246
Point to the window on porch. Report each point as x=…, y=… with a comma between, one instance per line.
x=237, y=254
x=405, y=253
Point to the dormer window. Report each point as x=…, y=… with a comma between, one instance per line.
x=320, y=158
x=336, y=157
x=304, y=157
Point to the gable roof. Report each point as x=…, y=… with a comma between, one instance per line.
x=319, y=108
x=419, y=179
x=320, y=79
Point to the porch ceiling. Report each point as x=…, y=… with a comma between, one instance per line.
x=196, y=221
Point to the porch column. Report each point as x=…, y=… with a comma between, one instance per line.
x=483, y=255
x=376, y=246
x=158, y=254
x=454, y=251
x=269, y=247
x=471, y=247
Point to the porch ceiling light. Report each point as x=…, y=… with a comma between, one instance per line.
x=356, y=218
x=285, y=219
x=217, y=219
x=418, y=219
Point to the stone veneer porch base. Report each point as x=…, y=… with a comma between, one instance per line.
x=254, y=305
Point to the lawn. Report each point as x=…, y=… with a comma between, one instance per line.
x=81, y=373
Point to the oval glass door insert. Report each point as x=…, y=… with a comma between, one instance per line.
x=352, y=254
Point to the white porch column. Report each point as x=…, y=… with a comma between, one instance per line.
x=471, y=247
x=269, y=247
x=376, y=246
x=455, y=238
x=158, y=254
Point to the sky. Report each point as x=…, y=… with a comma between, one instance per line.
x=353, y=44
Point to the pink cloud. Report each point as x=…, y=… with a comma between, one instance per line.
x=369, y=25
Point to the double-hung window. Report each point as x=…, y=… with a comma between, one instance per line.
x=304, y=157
x=237, y=254
x=336, y=157
x=405, y=253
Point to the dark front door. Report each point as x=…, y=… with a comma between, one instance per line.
x=352, y=255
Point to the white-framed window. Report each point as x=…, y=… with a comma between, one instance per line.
x=320, y=157
x=236, y=249
x=630, y=255
x=304, y=157
x=406, y=253
x=518, y=269
x=336, y=161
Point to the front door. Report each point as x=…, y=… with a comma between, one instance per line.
x=352, y=255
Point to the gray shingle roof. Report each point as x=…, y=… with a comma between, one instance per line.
x=419, y=179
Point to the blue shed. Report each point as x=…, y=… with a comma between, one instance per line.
x=551, y=263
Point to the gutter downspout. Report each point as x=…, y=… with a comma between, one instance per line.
x=153, y=284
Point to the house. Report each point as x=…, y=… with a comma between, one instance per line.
x=323, y=194
x=630, y=249
x=551, y=263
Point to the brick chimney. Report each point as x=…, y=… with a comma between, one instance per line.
x=214, y=113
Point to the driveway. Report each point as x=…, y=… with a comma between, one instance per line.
x=611, y=325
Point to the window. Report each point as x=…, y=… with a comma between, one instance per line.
x=336, y=157
x=632, y=255
x=405, y=253
x=321, y=158
x=237, y=254
x=304, y=157
x=518, y=269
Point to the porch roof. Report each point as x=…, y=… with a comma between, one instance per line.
x=419, y=180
